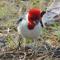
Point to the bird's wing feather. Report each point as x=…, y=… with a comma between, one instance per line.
x=52, y=12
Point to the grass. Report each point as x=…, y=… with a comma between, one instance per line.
x=51, y=35
x=10, y=42
x=3, y=11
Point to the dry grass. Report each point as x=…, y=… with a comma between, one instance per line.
x=9, y=12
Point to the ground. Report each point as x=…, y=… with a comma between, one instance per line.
x=10, y=49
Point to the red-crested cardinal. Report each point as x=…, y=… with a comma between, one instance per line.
x=30, y=25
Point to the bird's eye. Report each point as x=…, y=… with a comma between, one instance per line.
x=43, y=12
x=19, y=20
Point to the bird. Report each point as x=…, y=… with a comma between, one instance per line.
x=30, y=24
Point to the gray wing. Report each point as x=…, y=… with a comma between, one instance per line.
x=52, y=13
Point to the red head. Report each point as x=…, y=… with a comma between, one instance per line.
x=34, y=15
